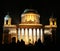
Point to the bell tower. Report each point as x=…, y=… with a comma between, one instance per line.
x=6, y=30
x=9, y=31
x=52, y=21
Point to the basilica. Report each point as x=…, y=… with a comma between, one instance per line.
x=29, y=30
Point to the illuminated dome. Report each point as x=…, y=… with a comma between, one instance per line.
x=30, y=11
x=30, y=16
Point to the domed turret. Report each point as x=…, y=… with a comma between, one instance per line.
x=30, y=16
x=7, y=20
x=7, y=17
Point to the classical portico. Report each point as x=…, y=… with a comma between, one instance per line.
x=30, y=33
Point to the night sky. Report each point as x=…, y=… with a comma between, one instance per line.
x=16, y=8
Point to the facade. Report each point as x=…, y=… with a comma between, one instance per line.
x=29, y=30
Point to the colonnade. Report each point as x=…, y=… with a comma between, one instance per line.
x=30, y=35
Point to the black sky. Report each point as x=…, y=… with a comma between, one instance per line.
x=45, y=8
x=15, y=8
x=18, y=6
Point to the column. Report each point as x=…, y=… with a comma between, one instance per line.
x=30, y=35
x=22, y=34
x=40, y=34
x=54, y=22
x=42, y=37
x=4, y=22
x=51, y=23
x=16, y=35
x=37, y=34
x=34, y=35
x=19, y=34
x=26, y=36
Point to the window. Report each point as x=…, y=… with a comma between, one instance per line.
x=6, y=21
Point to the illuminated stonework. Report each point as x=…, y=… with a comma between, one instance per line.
x=30, y=29
x=30, y=18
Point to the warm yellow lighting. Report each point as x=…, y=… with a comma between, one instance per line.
x=22, y=32
x=26, y=36
x=13, y=31
x=42, y=39
x=48, y=31
x=34, y=35
x=32, y=24
x=30, y=35
x=30, y=17
x=51, y=23
x=19, y=34
x=37, y=34
x=29, y=30
x=55, y=23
